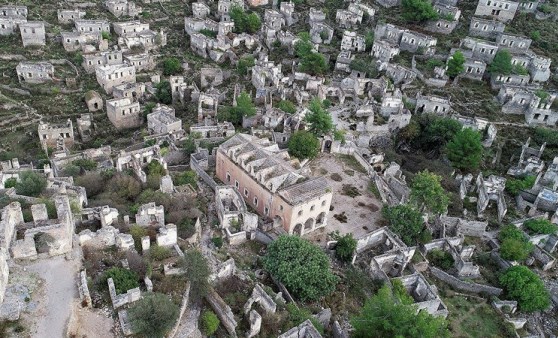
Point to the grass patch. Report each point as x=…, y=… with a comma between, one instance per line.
x=352, y=163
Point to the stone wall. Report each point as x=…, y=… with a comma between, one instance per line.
x=465, y=286
x=194, y=164
x=130, y=296
x=183, y=306
x=83, y=289
x=223, y=311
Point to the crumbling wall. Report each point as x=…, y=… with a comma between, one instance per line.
x=463, y=285
x=130, y=296
x=223, y=311
x=195, y=165
x=83, y=289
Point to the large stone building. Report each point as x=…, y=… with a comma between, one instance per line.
x=124, y=113
x=54, y=135
x=110, y=76
x=33, y=33
x=269, y=182
x=34, y=72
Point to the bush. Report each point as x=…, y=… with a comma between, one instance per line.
x=197, y=272
x=244, y=64
x=298, y=315
x=441, y=259
x=301, y=266
x=156, y=168
x=210, y=322
x=303, y=144
x=30, y=184
x=406, y=222
x=171, y=66
x=186, y=177
x=514, y=245
x=516, y=185
x=526, y=287
x=186, y=228
x=540, y=226
x=153, y=315
x=123, y=279
x=217, y=241
x=465, y=150
x=287, y=106
x=10, y=183
x=418, y=11
x=159, y=253
x=346, y=246
x=502, y=63
x=163, y=92
x=85, y=164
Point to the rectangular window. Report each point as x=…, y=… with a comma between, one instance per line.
x=246, y=192
x=236, y=184
x=266, y=211
x=255, y=201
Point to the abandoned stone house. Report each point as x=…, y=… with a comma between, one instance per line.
x=129, y=27
x=11, y=17
x=138, y=158
x=530, y=162
x=221, y=129
x=93, y=100
x=274, y=19
x=85, y=125
x=447, y=21
x=343, y=61
x=270, y=184
x=110, y=76
x=483, y=126
x=316, y=15
x=200, y=10
x=514, y=43
x=207, y=108
x=162, y=120
x=123, y=113
x=67, y=16
x=502, y=10
x=485, y=28
x=75, y=41
x=432, y=104
x=473, y=69
x=425, y=295
x=150, y=214
x=490, y=189
x=351, y=17
x=265, y=74
x=33, y=33
x=399, y=74
x=352, y=41
x=122, y=8
x=142, y=62
x=481, y=49
x=418, y=43
x=536, y=108
x=92, y=26
x=233, y=214
x=461, y=254
x=384, y=50
x=224, y=6
x=498, y=80
x=320, y=32
x=287, y=8
x=92, y=61
x=51, y=135
x=35, y=72
x=538, y=67
x=134, y=91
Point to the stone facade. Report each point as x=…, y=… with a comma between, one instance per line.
x=122, y=8
x=107, y=58
x=35, y=72
x=485, y=28
x=432, y=104
x=123, y=113
x=33, y=33
x=51, y=135
x=150, y=214
x=269, y=184
x=353, y=42
x=11, y=17
x=162, y=120
x=92, y=26
x=502, y=10
x=67, y=16
x=449, y=18
x=110, y=76
x=138, y=159
x=481, y=49
x=384, y=50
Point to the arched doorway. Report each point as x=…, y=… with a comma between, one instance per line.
x=297, y=230
x=320, y=219
x=309, y=224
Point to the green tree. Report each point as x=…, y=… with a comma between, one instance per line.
x=123, y=279
x=189, y=146
x=30, y=184
x=303, y=46
x=319, y=119
x=428, y=194
x=418, y=11
x=345, y=247
x=301, y=266
x=244, y=64
x=442, y=259
x=287, y=106
x=465, y=149
x=10, y=183
x=244, y=108
x=515, y=185
x=405, y=221
x=186, y=177
x=502, y=63
x=540, y=226
x=154, y=315
x=435, y=131
x=156, y=168
x=210, y=322
x=314, y=64
x=524, y=286
x=514, y=245
x=171, y=66
x=196, y=271
x=244, y=22
x=456, y=64
x=303, y=144
x=253, y=23
x=390, y=314
x=163, y=92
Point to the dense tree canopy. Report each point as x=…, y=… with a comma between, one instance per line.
x=319, y=119
x=465, y=149
x=245, y=22
x=514, y=245
x=524, y=286
x=345, y=247
x=502, y=63
x=456, y=64
x=30, y=184
x=301, y=266
x=418, y=11
x=171, y=66
x=406, y=222
x=391, y=314
x=540, y=226
x=244, y=108
x=197, y=272
x=163, y=92
x=515, y=185
x=311, y=62
x=153, y=315
x=303, y=144
x=427, y=193
x=429, y=132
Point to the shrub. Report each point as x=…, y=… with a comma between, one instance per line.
x=86, y=164
x=171, y=66
x=346, y=246
x=159, y=253
x=30, y=184
x=196, y=271
x=163, y=92
x=153, y=315
x=524, y=286
x=301, y=266
x=515, y=185
x=303, y=144
x=541, y=226
x=441, y=259
x=298, y=315
x=123, y=279
x=186, y=228
x=465, y=149
x=287, y=106
x=217, y=241
x=405, y=221
x=514, y=245
x=186, y=177
x=210, y=322
x=10, y=183
x=418, y=11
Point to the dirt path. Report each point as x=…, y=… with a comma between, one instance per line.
x=59, y=292
x=90, y=323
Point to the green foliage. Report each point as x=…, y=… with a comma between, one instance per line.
x=365, y=65
x=405, y=221
x=156, y=168
x=244, y=108
x=346, y=246
x=303, y=47
x=549, y=136
x=123, y=279
x=303, y=144
x=314, y=64
x=287, y=106
x=515, y=185
x=542, y=94
x=244, y=64
x=298, y=315
x=163, y=92
x=418, y=11
x=217, y=241
x=244, y=22
x=456, y=64
x=319, y=119
x=540, y=226
x=137, y=233
x=210, y=322
x=186, y=228
x=339, y=135
x=30, y=184
x=435, y=131
x=208, y=33
x=186, y=177
x=369, y=39
x=427, y=193
x=433, y=63
x=171, y=66
x=536, y=36
x=189, y=147
x=159, y=253
x=465, y=149
x=441, y=259
x=154, y=315
x=388, y=314
x=301, y=266
x=85, y=164
x=196, y=271
x=514, y=245
x=106, y=35
x=502, y=63
x=10, y=183
x=71, y=170
x=524, y=286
